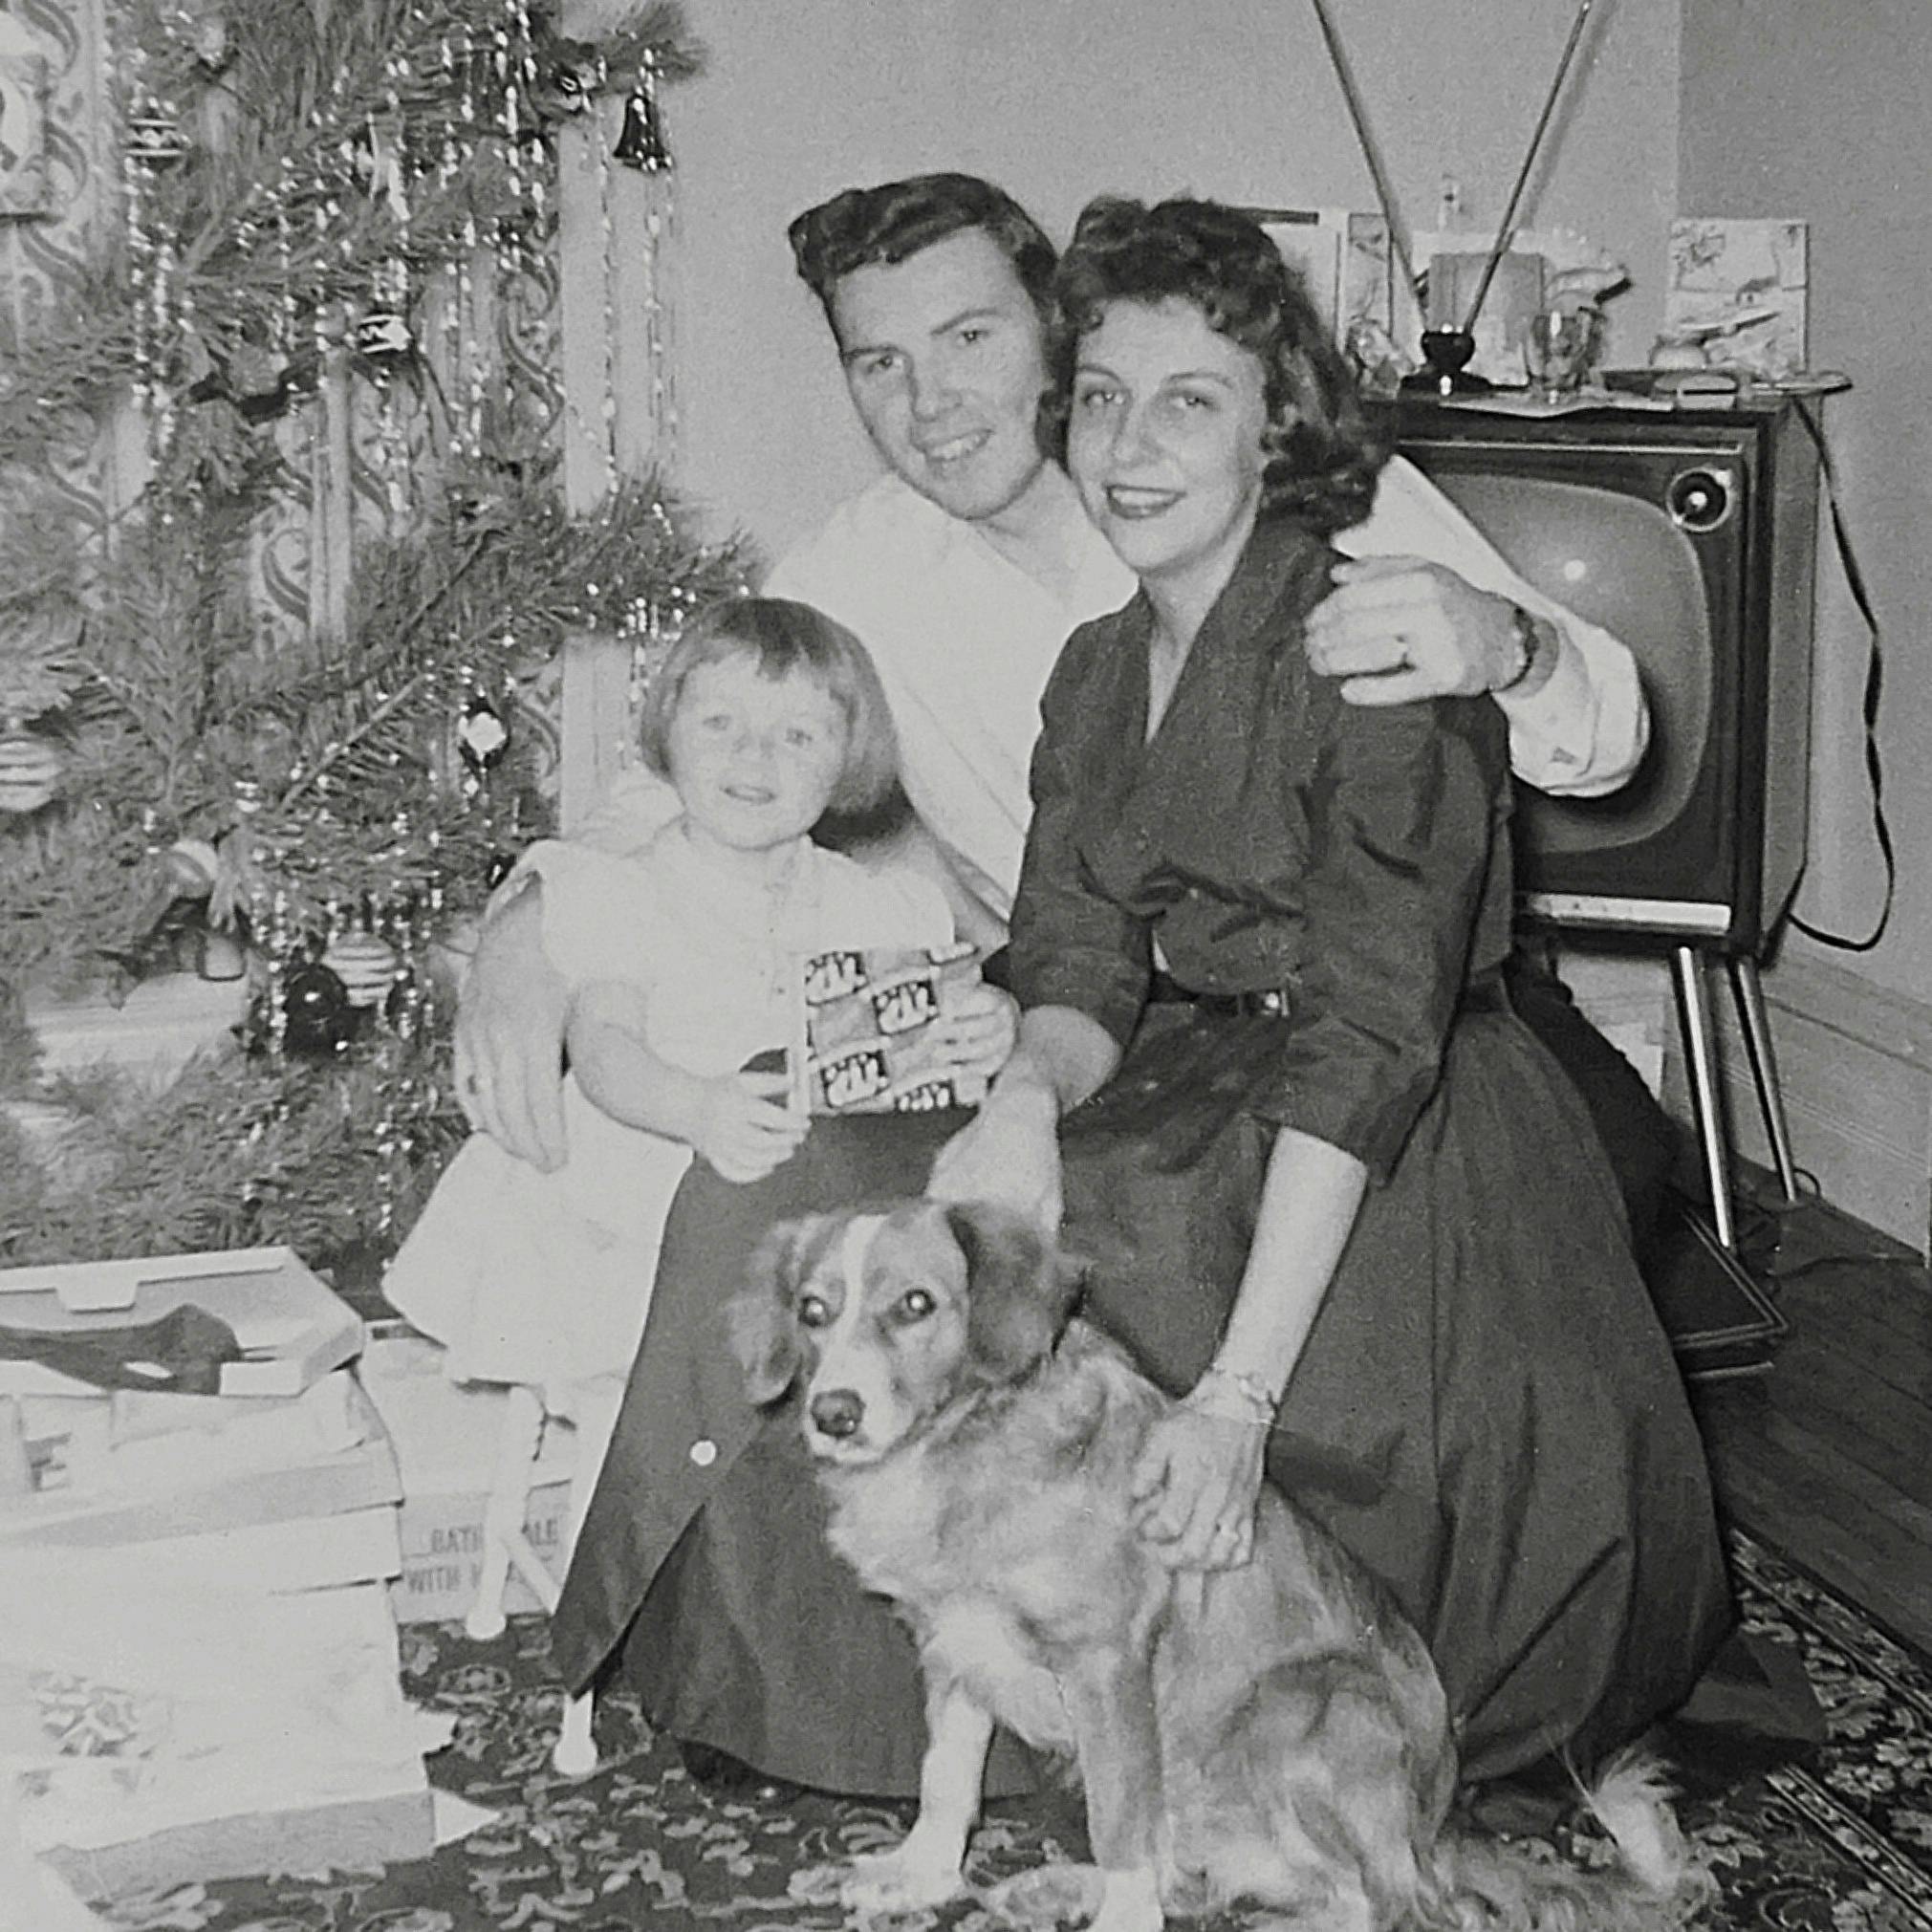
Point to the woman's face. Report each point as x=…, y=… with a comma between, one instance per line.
x=1164, y=443
x=754, y=760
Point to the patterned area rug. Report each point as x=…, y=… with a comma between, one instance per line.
x=1844, y=1845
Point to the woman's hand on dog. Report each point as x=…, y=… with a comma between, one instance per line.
x=1007, y=1154
x=1195, y=1486
x=745, y=1129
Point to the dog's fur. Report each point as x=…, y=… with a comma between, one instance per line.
x=1273, y=1734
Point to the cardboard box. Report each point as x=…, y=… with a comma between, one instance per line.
x=442, y=1553
x=271, y=1471
x=446, y=1439
x=291, y=1328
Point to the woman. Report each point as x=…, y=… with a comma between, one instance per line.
x=1332, y=1172
x=1437, y=1336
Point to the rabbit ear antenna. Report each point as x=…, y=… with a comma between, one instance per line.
x=1384, y=193
x=1505, y=228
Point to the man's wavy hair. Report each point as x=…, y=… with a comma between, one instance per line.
x=872, y=227
x=1322, y=455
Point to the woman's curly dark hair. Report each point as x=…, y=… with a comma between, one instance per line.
x=1323, y=457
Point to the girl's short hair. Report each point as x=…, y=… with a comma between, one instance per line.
x=1323, y=456
x=783, y=636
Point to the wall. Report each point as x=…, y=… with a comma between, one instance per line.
x=1059, y=100
x=1788, y=108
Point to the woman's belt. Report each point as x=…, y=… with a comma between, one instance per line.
x=1484, y=994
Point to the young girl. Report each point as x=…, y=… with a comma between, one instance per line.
x=682, y=960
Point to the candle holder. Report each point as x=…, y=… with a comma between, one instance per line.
x=1447, y=352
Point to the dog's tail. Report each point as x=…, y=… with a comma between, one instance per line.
x=1652, y=1879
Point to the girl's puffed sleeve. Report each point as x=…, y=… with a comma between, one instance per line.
x=1069, y=945
x=1402, y=810
x=601, y=919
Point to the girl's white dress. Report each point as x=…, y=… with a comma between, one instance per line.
x=545, y=1278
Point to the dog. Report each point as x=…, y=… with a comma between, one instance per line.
x=1272, y=1735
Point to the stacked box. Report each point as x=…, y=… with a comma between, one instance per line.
x=199, y=1665
x=445, y=1437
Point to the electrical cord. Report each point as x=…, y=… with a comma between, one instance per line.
x=1875, y=681
x=1761, y=1234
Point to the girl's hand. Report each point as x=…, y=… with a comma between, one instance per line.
x=976, y=1037
x=745, y=1130
x=1195, y=1485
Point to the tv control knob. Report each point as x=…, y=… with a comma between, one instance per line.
x=1700, y=499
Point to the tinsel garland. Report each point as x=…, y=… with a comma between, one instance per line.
x=265, y=231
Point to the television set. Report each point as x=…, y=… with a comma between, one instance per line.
x=1688, y=533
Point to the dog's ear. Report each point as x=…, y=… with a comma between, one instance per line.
x=764, y=1329
x=1020, y=1289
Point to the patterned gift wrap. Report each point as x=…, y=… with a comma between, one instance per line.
x=870, y=1021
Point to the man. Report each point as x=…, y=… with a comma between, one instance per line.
x=966, y=566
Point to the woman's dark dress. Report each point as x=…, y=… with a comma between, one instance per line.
x=1487, y=1412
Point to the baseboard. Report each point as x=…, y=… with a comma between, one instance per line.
x=1854, y=1064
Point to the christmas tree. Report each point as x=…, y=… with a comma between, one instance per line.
x=287, y=568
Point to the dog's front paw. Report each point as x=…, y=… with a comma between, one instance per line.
x=909, y=1877
x=1048, y=1896
x=1129, y=1901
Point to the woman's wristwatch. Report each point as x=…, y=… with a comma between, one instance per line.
x=1529, y=638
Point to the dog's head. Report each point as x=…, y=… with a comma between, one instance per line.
x=885, y=1318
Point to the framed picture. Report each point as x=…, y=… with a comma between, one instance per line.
x=1344, y=259
x=25, y=188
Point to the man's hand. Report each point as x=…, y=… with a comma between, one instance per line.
x=745, y=1129
x=509, y=1026
x=1398, y=628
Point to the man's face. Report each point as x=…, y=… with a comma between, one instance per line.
x=945, y=359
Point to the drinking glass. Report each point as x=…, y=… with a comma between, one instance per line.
x=1559, y=347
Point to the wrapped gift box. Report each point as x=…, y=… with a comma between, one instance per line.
x=189, y=1729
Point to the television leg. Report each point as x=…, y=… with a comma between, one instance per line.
x=1699, y=1042
x=1757, y=1032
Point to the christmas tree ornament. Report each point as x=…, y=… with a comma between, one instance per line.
x=191, y=865
x=155, y=140
x=567, y=85
x=221, y=956
x=500, y=865
x=382, y=336
x=483, y=737
x=316, y=1016
x=214, y=46
x=29, y=772
x=640, y=143
x=365, y=963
